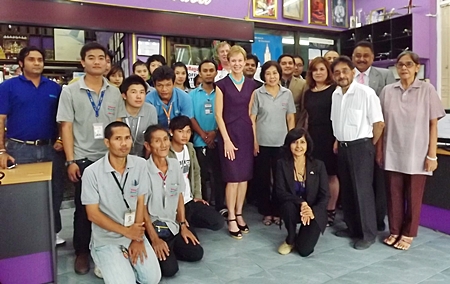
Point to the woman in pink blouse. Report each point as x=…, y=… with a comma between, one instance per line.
x=411, y=109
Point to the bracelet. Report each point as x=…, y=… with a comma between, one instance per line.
x=182, y=223
x=432, y=159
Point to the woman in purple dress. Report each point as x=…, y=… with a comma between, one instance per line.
x=234, y=98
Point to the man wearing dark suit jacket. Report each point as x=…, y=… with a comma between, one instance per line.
x=296, y=85
x=377, y=79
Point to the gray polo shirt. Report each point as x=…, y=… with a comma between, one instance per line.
x=271, y=125
x=147, y=116
x=99, y=187
x=163, y=196
x=75, y=107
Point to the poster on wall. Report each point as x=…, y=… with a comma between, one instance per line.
x=265, y=9
x=339, y=13
x=293, y=9
x=68, y=44
x=192, y=72
x=318, y=12
x=267, y=47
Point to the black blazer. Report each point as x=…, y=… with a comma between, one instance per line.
x=317, y=192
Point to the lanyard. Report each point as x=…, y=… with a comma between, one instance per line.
x=163, y=177
x=167, y=112
x=91, y=99
x=121, y=188
x=137, y=128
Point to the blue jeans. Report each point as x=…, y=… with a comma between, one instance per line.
x=26, y=154
x=116, y=268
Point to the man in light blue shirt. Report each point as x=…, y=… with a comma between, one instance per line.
x=168, y=101
x=205, y=130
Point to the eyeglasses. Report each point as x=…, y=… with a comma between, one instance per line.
x=343, y=72
x=408, y=64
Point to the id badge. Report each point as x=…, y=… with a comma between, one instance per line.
x=98, y=130
x=208, y=108
x=129, y=218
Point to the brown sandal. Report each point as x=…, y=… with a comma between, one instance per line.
x=404, y=243
x=391, y=240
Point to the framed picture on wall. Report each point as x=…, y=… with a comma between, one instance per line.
x=339, y=13
x=265, y=9
x=377, y=15
x=318, y=12
x=293, y=9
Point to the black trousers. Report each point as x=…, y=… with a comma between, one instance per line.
x=379, y=186
x=355, y=171
x=307, y=237
x=81, y=224
x=179, y=250
x=265, y=168
x=208, y=160
x=59, y=173
x=201, y=215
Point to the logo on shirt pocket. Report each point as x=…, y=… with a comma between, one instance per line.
x=111, y=110
x=133, y=192
x=173, y=190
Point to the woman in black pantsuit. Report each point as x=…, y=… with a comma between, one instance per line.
x=302, y=191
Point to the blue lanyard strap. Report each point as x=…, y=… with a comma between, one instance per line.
x=91, y=99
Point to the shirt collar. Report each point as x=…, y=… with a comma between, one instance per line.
x=23, y=78
x=350, y=90
x=416, y=84
x=84, y=87
x=152, y=167
x=140, y=113
x=200, y=88
x=367, y=72
x=174, y=94
x=107, y=165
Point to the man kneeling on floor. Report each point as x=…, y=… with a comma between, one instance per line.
x=198, y=212
x=114, y=191
x=165, y=221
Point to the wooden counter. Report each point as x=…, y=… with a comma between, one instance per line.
x=28, y=173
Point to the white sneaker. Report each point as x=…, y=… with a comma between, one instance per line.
x=59, y=240
x=97, y=272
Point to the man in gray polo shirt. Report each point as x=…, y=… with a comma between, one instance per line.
x=85, y=108
x=165, y=222
x=114, y=193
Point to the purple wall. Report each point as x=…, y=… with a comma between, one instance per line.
x=32, y=268
x=424, y=31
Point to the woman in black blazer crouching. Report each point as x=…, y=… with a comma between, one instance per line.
x=301, y=186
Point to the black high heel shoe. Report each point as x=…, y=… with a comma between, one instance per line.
x=236, y=235
x=245, y=229
x=331, y=217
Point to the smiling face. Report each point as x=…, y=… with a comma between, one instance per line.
x=116, y=79
x=222, y=52
x=362, y=58
x=95, y=62
x=271, y=76
x=119, y=145
x=135, y=96
x=250, y=68
x=159, y=145
x=287, y=66
x=407, y=68
x=237, y=62
x=343, y=75
x=180, y=75
x=320, y=73
x=299, y=147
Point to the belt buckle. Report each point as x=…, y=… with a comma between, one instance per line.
x=344, y=144
x=37, y=142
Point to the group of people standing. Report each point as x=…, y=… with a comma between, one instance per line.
x=300, y=143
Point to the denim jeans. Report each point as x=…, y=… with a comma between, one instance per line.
x=26, y=154
x=116, y=268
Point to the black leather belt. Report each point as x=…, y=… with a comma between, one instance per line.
x=354, y=142
x=39, y=142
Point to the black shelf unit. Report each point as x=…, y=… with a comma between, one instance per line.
x=389, y=37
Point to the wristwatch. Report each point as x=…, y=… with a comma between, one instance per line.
x=68, y=163
x=182, y=223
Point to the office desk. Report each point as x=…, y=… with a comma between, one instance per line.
x=27, y=237
x=436, y=199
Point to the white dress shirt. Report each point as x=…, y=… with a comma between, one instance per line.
x=354, y=113
x=366, y=75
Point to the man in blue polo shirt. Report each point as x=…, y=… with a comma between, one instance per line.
x=205, y=126
x=28, y=106
x=168, y=101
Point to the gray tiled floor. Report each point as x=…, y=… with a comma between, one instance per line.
x=254, y=259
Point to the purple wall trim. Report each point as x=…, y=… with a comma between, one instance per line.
x=435, y=218
x=33, y=268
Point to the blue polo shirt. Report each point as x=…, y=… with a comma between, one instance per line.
x=180, y=101
x=30, y=111
x=204, y=115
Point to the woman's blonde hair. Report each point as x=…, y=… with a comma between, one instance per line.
x=236, y=49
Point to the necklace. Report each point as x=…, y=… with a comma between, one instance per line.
x=237, y=82
x=321, y=89
x=300, y=175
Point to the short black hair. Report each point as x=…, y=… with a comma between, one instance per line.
x=115, y=124
x=292, y=136
x=110, y=54
x=138, y=63
x=180, y=122
x=365, y=43
x=24, y=52
x=182, y=65
x=156, y=57
x=163, y=73
x=115, y=69
x=132, y=80
x=204, y=62
x=91, y=46
x=151, y=129
x=285, y=55
x=196, y=79
x=343, y=59
x=254, y=58
x=266, y=66
x=301, y=58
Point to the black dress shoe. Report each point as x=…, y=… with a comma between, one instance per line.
x=82, y=264
x=363, y=244
x=344, y=233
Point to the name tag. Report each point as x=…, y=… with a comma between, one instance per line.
x=129, y=218
x=208, y=108
x=98, y=130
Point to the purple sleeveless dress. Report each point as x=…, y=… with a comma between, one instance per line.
x=239, y=126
